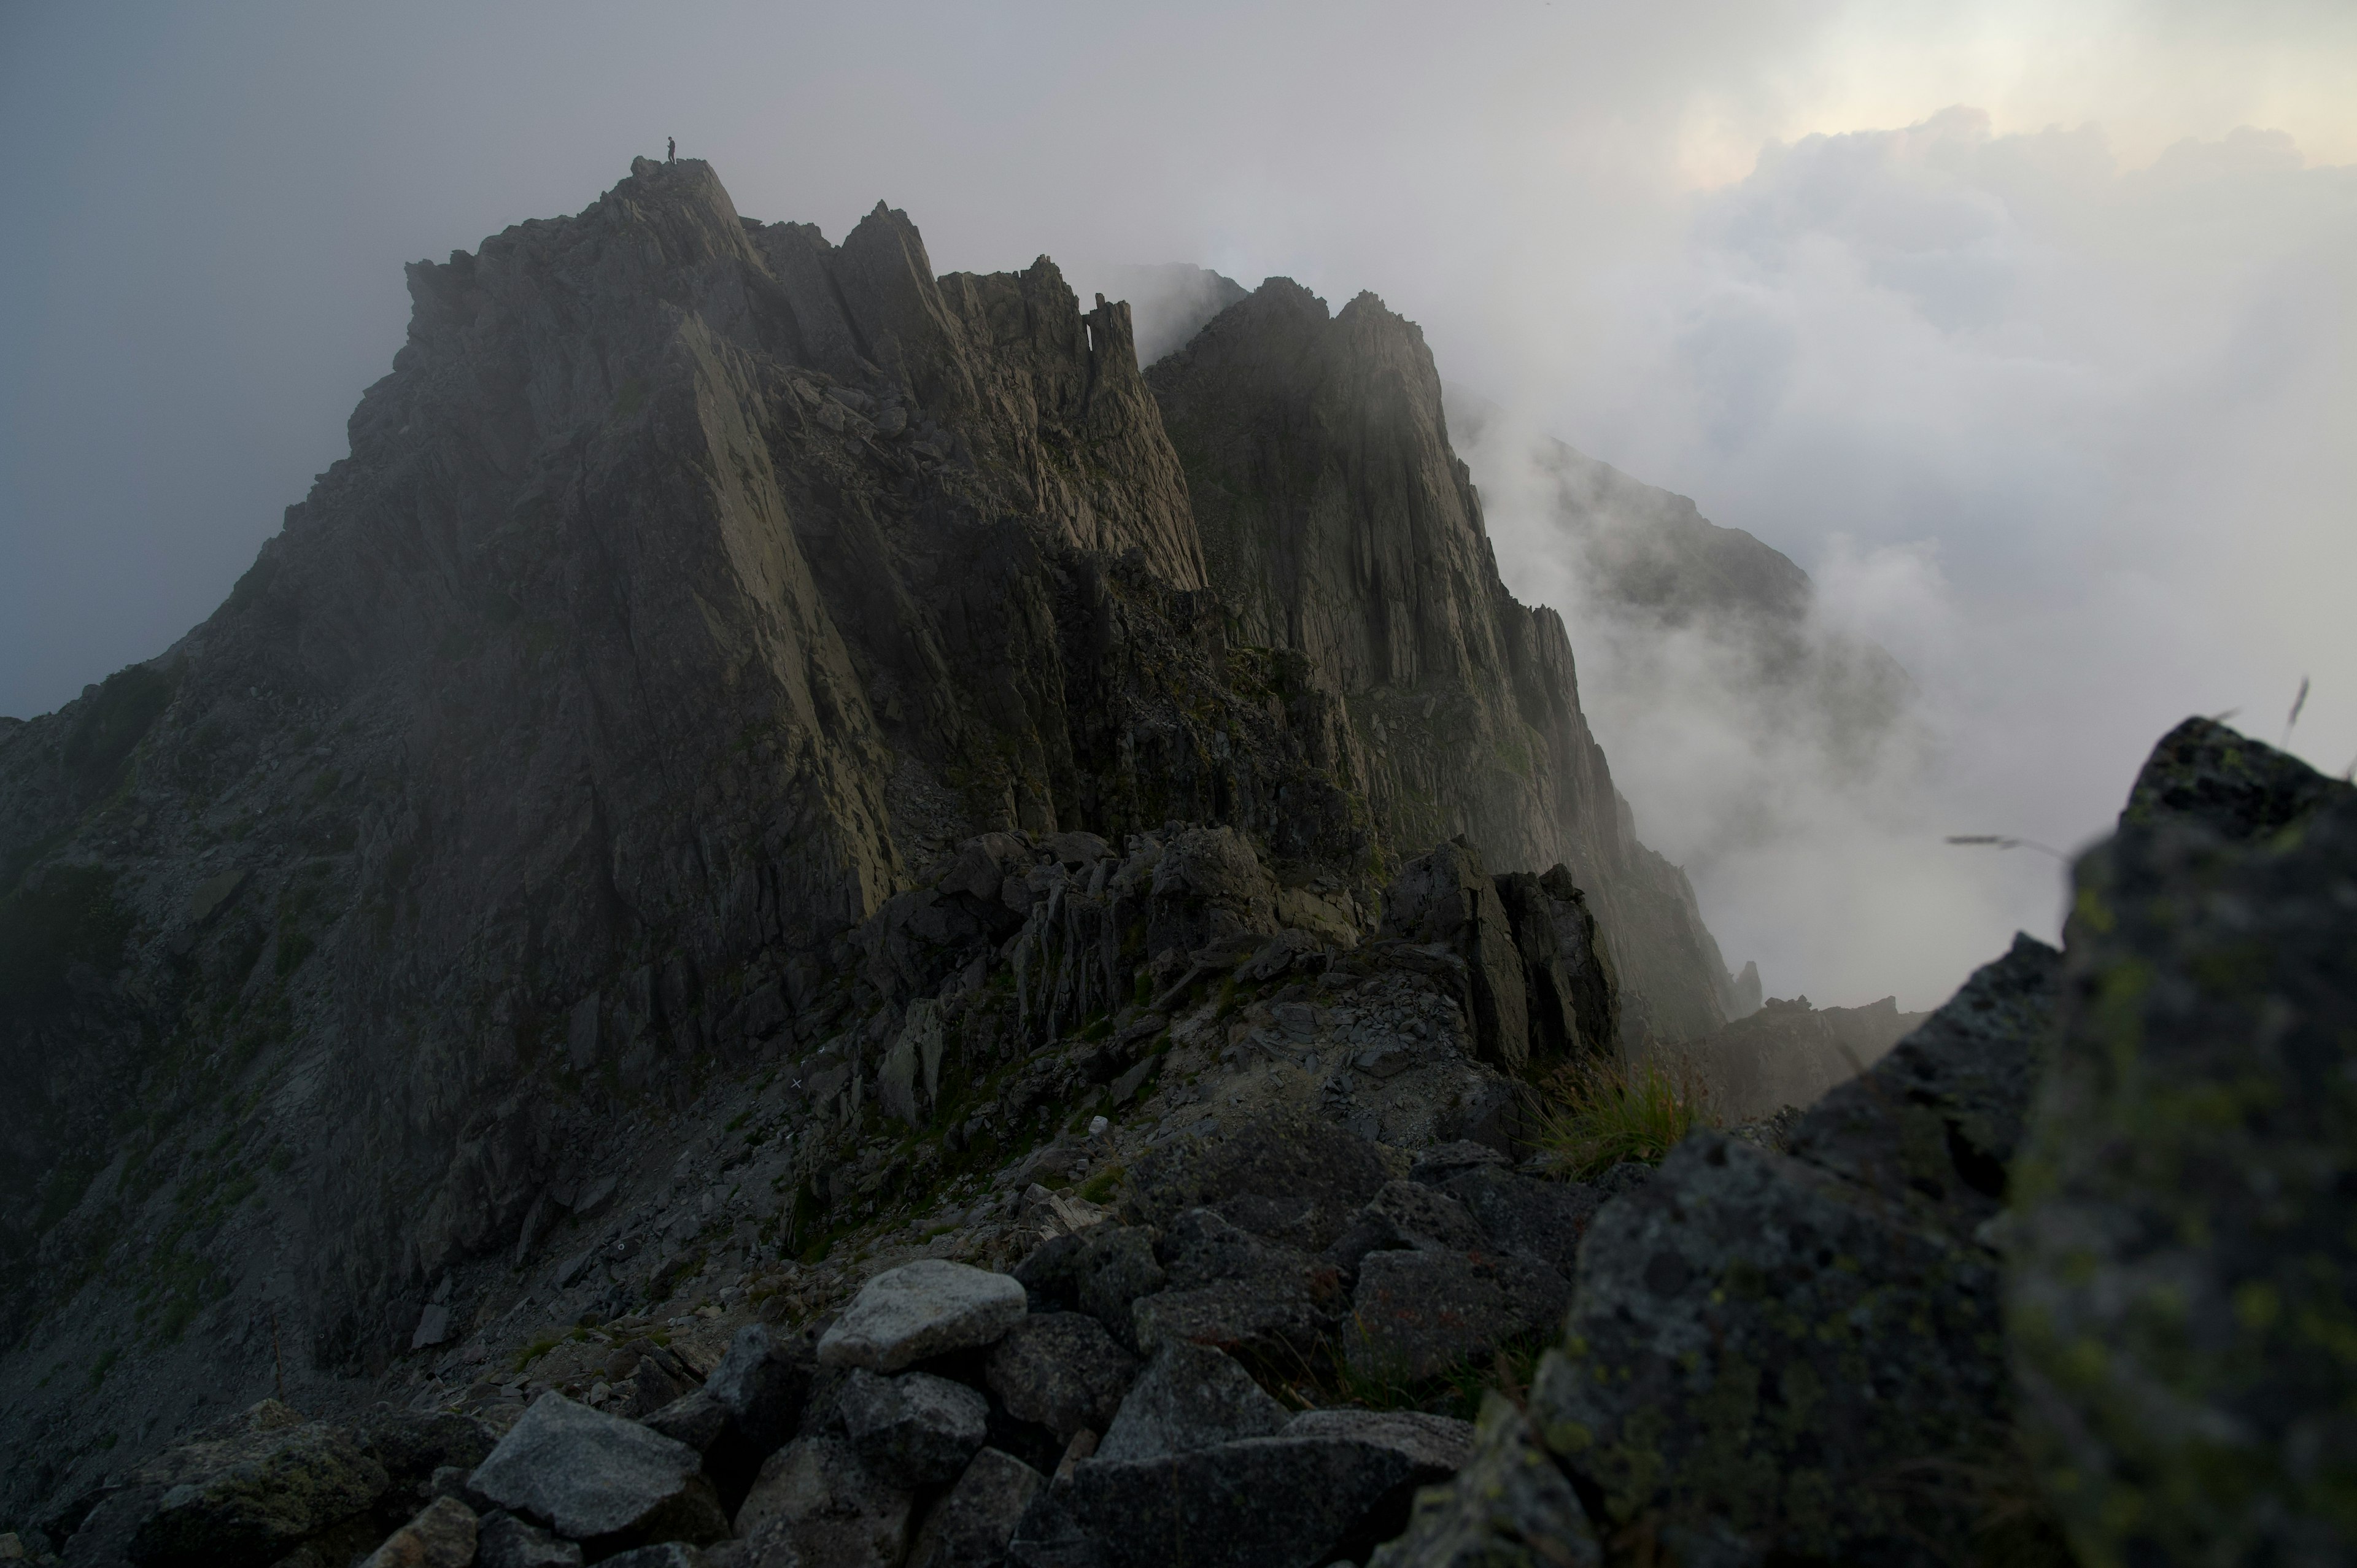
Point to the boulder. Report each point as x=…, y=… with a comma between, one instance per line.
x=503, y=1540
x=596, y=1478
x=1511, y=1503
x=255, y=1492
x=1190, y=1397
x=763, y=1381
x=1757, y=1347
x=972, y=1522
x=1935, y=1122
x=413, y=1444
x=921, y=1309
x=2181, y=1266
x=1540, y=1220
x=663, y=1555
x=1567, y=973
x=1407, y=1214
x=815, y=1503
x=1062, y=1370
x=1232, y=1288
x=441, y=1536
x=915, y=1429
x=1332, y=1483
x=1100, y=1270
x=1419, y=1313
x=1296, y=1178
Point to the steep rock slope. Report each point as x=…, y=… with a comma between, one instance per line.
x=1337, y=522
x=720, y=648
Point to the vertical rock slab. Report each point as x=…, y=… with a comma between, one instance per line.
x=2183, y=1268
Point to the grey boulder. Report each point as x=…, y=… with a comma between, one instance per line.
x=1190, y=1397
x=972, y=1522
x=503, y=1540
x=441, y=1536
x=1062, y=1370
x=815, y=1503
x=1332, y=1483
x=915, y=1429
x=921, y=1309
x=257, y=1491
x=1510, y=1503
x=607, y=1483
x=1418, y=1314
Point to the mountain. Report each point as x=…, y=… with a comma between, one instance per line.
x=731, y=664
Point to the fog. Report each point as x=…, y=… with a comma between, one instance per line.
x=2025, y=330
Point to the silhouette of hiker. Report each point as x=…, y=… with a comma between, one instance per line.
x=671, y=149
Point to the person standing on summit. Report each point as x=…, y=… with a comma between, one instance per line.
x=671, y=149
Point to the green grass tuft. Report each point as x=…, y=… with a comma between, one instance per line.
x=1601, y=1113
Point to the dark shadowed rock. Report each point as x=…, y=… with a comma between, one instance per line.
x=1574, y=995
x=1540, y=1220
x=1100, y=1270
x=1062, y=1370
x=1510, y=1507
x=1755, y=1344
x=814, y=1502
x=763, y=1381
x=972, y=1522
x=1332, y=1483
x=1935, y=1122
x=1436, y=1165
x=598, y=1480
x=1190, y=1397
x=441, y=1536
x=1407, y=1214
x=915, y=1429
x=665, y=1554
x=1230, y=1288
x=255, y=1492
x=1418, y=1313
x=1296, y=1180
x=2181, y=1266
x=413, y=1444
x=503, y=1540
x=925, y=1308
x=2209, y=777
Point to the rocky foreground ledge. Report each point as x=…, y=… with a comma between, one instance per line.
x=2064, y=1278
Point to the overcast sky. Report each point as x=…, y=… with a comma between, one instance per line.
x=2026, y=329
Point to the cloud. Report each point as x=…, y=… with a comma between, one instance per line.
x=2068, y=439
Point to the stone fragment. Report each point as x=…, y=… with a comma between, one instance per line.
x=1062, y=1370
x=1417, y=1313
x=600, y=1480
x=1331, y=1485
x=1444, y=896
x=254, y=1493
x=433, y=1328
x=1295, y=1178
x=915, y=1429
x=2181, y=1264
x=1438, y=1163
x=1101, y=1271
x=413, y=1444
x=972, y=1522
x=921, y=1309
x=1510, y=1503
x=815, y=1503
x=503, y=1540
x=441, y=1536
x=1190, y=1397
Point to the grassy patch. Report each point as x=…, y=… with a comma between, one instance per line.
x=537, y=1348
x=1601, y=1113
x=1101, y=1186
x=1330, y=1378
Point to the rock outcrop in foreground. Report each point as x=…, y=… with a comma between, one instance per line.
x=749, y=751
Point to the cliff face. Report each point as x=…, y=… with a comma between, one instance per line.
x=719, y=648
x=1336, y=522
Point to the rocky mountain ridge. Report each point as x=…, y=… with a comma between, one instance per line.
x=728, y=660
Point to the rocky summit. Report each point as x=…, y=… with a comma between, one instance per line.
x=800, y=919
